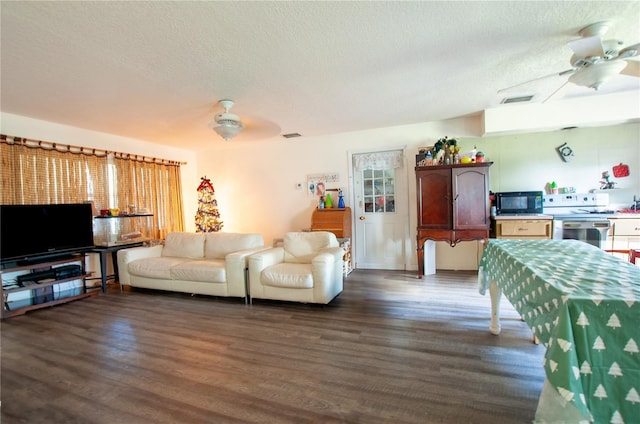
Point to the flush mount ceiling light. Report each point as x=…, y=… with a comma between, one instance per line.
x=226, y=124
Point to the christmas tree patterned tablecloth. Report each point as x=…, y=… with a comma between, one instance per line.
x=584, y=305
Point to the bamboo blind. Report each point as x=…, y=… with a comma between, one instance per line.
x=36, y=172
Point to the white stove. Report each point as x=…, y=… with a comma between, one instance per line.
x=577, y=205
x=579, y=216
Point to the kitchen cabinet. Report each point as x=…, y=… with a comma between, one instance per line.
x=624, y=235
x=453, y=204
x=526, y=229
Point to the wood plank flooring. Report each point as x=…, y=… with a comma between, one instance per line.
x=390, y=349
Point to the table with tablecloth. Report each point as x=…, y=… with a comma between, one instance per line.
x=584, y=305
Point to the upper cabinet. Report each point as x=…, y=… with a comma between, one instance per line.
x=453, y=204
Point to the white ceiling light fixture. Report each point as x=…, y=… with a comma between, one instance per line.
x=594, y=76
x=226, y=124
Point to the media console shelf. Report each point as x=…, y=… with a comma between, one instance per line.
x=54, y=282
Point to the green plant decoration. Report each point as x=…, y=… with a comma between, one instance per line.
x=443, y=143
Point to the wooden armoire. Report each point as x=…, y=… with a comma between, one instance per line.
x=453, y=204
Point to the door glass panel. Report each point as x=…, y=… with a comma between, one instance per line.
x=378, y=190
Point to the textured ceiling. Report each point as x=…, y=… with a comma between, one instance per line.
x=155, y=70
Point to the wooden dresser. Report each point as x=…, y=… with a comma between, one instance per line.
x=338, y=222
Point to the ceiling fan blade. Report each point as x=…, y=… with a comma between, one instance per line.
x=556, y=74
x=587, y=47
x=631, y=51
x=632, y=68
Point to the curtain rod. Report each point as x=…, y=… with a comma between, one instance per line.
x=49, y=145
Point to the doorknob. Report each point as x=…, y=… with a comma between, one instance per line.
x=362, y=217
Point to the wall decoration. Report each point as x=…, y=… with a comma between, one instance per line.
x=620, y=171
x=606, y=183
x=317, y=183
x=565, y=152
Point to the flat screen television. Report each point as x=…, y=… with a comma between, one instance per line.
x=34, y=232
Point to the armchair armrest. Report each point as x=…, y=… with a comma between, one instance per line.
x=241, y=258
x=328, y=255
x=326, y=268
x=259, y=261
x=326, y=262
x=270, y=256
x=236, y=264
x=125, y=256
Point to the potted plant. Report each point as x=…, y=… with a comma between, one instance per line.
x=449, y=147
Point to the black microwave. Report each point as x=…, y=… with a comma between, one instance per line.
x=519, y=202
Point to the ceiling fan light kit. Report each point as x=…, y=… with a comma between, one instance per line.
x=595, y=75
x=596, y=60
x=227, y=131
x=226, y=124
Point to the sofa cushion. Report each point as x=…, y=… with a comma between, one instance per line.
x=159, y=267
x=208, y=271
x=289, y=275
x=301, y=247
x=219, y=245
x=184, y=245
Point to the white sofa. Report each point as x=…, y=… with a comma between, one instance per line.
x=307, y=268
x=201, y=263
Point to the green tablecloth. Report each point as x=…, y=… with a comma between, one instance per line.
x=584, y=305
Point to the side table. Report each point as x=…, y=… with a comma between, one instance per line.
x=103, y=251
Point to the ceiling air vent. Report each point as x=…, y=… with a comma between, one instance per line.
x=518, y=99
x=291, y=135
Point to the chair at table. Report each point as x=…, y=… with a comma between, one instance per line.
x=633, y=255
x=306, y=268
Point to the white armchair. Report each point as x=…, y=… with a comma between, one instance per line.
x=307, y=268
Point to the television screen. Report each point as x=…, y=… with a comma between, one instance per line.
x=34, y=231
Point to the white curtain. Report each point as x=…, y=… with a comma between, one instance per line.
x=378, y=160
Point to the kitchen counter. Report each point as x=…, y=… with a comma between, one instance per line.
x=631, y=215
x=522, y=216
x=616, y=215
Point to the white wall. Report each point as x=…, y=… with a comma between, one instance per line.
x=530, y=161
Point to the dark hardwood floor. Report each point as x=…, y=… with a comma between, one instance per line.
x=390, y=349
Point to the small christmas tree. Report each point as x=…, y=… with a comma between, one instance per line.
x=207, y=217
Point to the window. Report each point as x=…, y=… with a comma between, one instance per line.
x=42, y=172
x=378, y=190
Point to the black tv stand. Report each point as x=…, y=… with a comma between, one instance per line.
x=20, y=295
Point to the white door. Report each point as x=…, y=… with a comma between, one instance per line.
x=381, y=214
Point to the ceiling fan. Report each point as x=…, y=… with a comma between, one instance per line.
x=226, y=124
x=594, y=60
